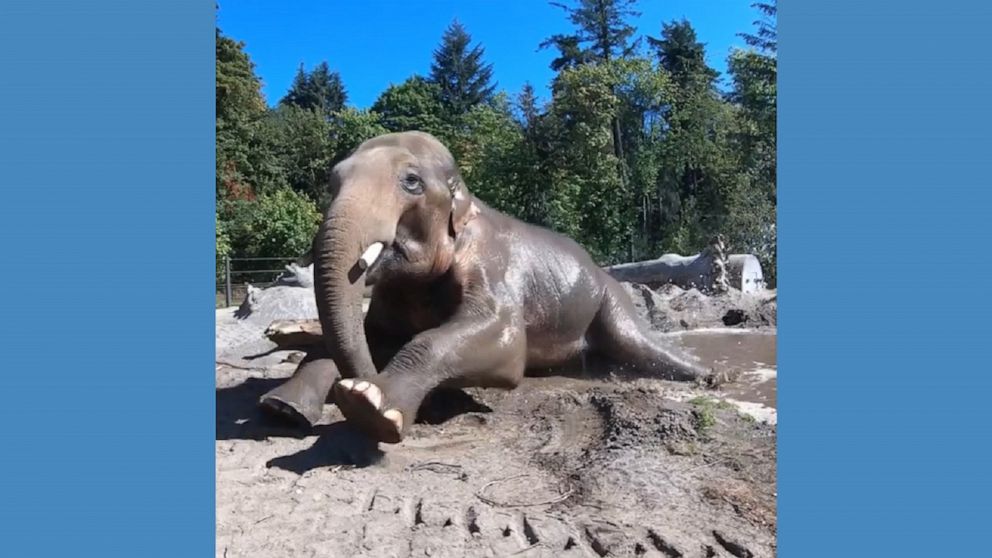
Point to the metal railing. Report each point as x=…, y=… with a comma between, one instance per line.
x=257, y=272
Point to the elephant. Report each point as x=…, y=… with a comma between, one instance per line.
x=463, y=295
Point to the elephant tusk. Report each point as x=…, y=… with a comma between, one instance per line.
x=370, y=256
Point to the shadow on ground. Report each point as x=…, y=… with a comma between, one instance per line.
x=337, y=444
x=240, y=418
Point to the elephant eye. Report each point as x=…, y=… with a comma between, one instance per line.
x=412, y=184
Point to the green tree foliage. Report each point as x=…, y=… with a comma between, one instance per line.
x=223, y=245
x=590, y=196
x=754, y=74
x=766, y=37
x=588, y=189
x=644, y=92
x=488, y=150
x=600, y=24
x=302, y=139
x=697, y=163
x=637, y=152
x=319, y=90
x=570, y=52
x=460, y=73
x=532, y=187
x=271, y=225
x=414, y=104
x=683, y=56
x=245, y=161
x=351, y=128
x=602, y=35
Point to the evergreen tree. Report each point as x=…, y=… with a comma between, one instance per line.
x=631, y=157
x=766, y=38
x=602, y=24
x=602, y=35
x=588, y=198
x=527, y=103
x=320, y=90
x=486, y=149
x=304, y=144
x=570, y=52
x=683, y=56
x=532, y=184
x=459, y=72
x=754, y=74
x=698, y=172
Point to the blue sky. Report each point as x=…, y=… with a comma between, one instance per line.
x=373, y=44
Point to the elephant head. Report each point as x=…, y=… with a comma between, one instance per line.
x=399, y=204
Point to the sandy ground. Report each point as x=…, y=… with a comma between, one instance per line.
x=561, y=466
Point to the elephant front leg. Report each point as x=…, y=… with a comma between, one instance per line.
x=469, y=351
x=301, y=398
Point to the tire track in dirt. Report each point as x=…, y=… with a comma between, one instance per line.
x=616, y=452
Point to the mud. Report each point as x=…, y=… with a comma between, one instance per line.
x=671, y=308
x=561, y=466
x=750, y=355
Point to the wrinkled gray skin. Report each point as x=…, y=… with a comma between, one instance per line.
x=463, y=295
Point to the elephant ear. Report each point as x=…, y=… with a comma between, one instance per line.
x=463, y=209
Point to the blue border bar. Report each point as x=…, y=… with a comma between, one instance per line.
x=106, y=210
x=885, y=196
x=106, y=221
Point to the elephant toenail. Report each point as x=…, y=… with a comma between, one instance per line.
x=395, y=417
x=374, y=396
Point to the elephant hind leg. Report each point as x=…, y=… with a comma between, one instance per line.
x=618, y=333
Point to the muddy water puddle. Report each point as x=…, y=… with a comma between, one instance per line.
x=750, y=353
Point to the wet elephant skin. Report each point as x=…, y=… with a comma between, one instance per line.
x=463, y=295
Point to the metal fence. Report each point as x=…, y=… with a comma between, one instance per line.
x=238, y=273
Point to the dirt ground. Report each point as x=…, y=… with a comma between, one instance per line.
x=561, y=466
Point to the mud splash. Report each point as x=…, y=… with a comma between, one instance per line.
x=749, y=354
x=752, y=353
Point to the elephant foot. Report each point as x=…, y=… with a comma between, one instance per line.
x=301, y=398
x=280, y=406
x=361, y=402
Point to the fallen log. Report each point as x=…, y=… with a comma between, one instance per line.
x=743, y=272
x=289, y=334
x=684, y=271
x=709, y=271
x=294, y=334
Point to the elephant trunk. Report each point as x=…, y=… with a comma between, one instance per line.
x=344, y=247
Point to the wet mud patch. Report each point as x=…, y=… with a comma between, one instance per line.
x=558, y=467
